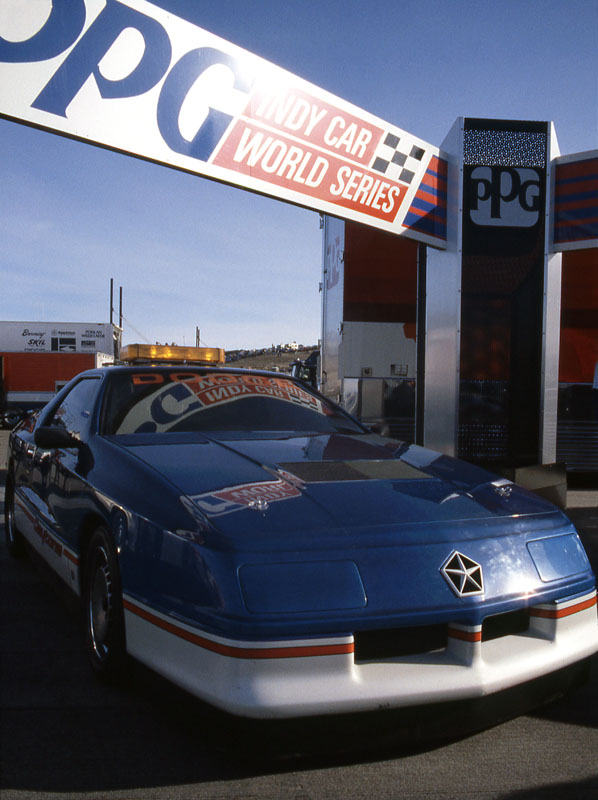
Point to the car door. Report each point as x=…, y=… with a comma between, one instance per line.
x=59, y=475
x=21, y=463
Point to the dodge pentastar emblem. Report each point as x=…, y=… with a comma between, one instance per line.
x=463, y=575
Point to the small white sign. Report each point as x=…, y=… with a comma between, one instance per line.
x=56, y=337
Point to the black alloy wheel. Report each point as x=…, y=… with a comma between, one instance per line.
x=103, y=607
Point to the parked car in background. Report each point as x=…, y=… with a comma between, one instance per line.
x=11, y=416
x=307, y=368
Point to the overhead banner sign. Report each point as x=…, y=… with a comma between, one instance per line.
x=130, y=76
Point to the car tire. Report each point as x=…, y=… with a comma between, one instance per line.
x=15, y=544
x=103, y=607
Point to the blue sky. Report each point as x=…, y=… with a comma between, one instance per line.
x=245, y=268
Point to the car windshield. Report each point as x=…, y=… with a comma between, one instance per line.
x=182, y=401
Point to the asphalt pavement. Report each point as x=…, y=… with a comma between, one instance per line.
x=63, y=734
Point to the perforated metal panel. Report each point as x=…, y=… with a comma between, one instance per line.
x=504, y=148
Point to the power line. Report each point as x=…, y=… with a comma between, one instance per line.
x=130, y=324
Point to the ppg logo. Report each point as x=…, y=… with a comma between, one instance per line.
x=505, y=196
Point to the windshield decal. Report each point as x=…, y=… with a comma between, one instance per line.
x=180, y=395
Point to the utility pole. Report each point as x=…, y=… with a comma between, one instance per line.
x=119, y=328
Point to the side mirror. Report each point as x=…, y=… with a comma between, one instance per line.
x=50, y=437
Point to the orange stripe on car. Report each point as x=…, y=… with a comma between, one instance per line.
x=300, y=651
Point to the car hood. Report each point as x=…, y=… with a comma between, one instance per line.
x=312, y=534
x=331, y=482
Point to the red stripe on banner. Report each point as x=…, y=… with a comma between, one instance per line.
x=559, y=613
x=427, y=214
x=302, y=651
x=465, y=636
x=563, y=204
x=564, y=190
x=577, y=169
x=576, y=223
x=434, y=182
x=439, y=202
x=439, y=165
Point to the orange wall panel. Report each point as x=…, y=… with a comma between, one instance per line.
x=579, y=316
x=38, y=372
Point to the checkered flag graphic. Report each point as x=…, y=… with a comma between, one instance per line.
x=398, y=158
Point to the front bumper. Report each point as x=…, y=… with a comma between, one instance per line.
x=294, y=678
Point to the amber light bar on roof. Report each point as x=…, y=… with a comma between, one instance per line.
x=158, y=353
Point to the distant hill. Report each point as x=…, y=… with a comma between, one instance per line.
x=271, y=361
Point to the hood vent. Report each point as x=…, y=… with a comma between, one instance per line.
x=365, y=470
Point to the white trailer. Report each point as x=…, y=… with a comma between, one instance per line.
x=369, y=320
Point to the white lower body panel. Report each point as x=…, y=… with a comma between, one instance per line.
x=320, y=676
x=63, y=560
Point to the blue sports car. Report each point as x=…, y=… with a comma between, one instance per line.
x=249, y=540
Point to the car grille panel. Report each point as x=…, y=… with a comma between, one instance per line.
x=389, y=643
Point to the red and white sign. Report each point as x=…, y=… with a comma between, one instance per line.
x=246, y=495
x=128, y=75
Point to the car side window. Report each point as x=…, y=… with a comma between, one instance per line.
x=74, y=411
